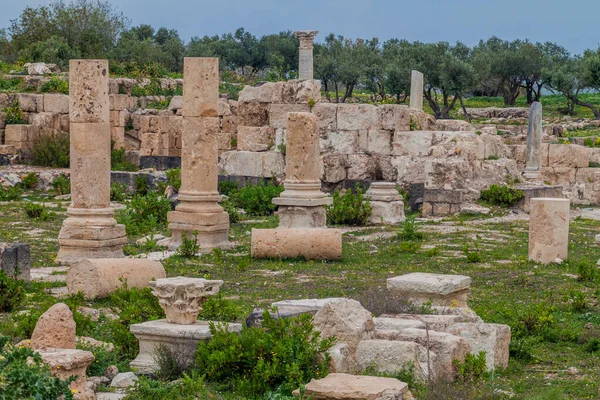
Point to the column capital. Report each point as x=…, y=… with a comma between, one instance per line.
x=306, y=39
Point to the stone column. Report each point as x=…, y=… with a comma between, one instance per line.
x=416, y=90
x=548, y=229
x=199, y=209
x=534, y=142
x=386, y=203
x=90, y=231
x=301, y=204
x=305, y=63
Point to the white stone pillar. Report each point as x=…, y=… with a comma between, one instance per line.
x=416, y=90
x=387, y=206
x=548, y=229
x=90, y=231
x=305, y=59
x=534, y=142
x=199, y=209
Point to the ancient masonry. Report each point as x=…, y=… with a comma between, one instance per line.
x=533, y=163
x=90, y=231
x=199, y=212
x=305, y=63
x=416, y=90
x=549, y=230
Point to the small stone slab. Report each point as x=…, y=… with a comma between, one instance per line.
x=304, y=305
x=15, y=259
x=440, y=290
x=355, y=387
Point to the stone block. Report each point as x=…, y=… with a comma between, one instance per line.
x=119, y=102
x=391, y=356
x=253, y=114
x=270, y=92
x=246, y=163
x=311, y=243
x=549, y=229
x=31, y=102
x=442, y=196
x=15, y=134
x=200, y=87
x=379, y=141
x=346, y=320
x=326, y=116
x=303, y=306
x=6, y=150
x=361, y=167
x=386, y=212
x=493, y=339
x=415, y=143
x=300, y=91
x=54, y=329
x=356, y=116
x=254, y=138
x=340, y=142
x=334, y=168
x=56, y=103
x=67, y=363
x=117, y=135
x=98, y=278
x=339, y=386
x=228, y=124
x=562, y=155
x=278, y=113
x=88, y=91
x=15, y=260
x=440, y=290
x=394, y=117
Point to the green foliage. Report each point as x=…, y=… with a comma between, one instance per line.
x=231, y=210
x=158, y=105
x=61, y=185
x=531, y=320
x=13, y=114
x=218, y=308
x=51, y=151
x=10, y=193
x=118, y=192
x=174, y=177
x=577, y=300
x=23, y=375
x=55, y=85
x=228, y=188
x=257, y=199
x=503, y=196
x=37, y=211
x=141, y=184
x=118, y=161
x=144, y=213
x=10, y=85
x=12, y=292
x=472, y=369
x=189, y=246
x=473, y=256
x=411, y=231
x=188, y=387
x=351, y=208
x=282, y=354
x=587, y=272
x=30, y=181
x=409, y=247
x=154, y=89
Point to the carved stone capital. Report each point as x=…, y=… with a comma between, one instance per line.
x=306, y=39
x=181, y=298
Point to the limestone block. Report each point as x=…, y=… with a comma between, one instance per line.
x=98, y=278
x=15, y=260
x=408, y=169
x=124, y=380
x=386, y=212
x=361, y=167
x=548, y=229
x=88, y=91
x=300, y=91
x=200, y=87
x=117, y=118
x=181, y=298
x=422, y=121
x=176, y=103
x=224, y=108
x=341, y=360
x=574, y=156
x=334, y=170
x=338, y=386
x=494, y=146
x=278, y=113
x=56, y=103
x=379, y=141
x=253, y=114
x=318, y=244
x=254, y=138
x=7, y=149
x=54, y=329
x=467, y=145
x=415, y=143
x=15, y=134
x=453, y=125
x=326, y=116
x=356, y=116
x=347, y=320
x=302, y=154
x=270, y=92
x=494, y=339
x=118, y=102
x=435, y=322
x=302, y=217
x=246, y=163
x=65, y=363
x=440, y=290
x=396, y=324
x=341, y=142
x=416, y=90
x=393, y=117
x=228, y=124
x=117, y=135
x=31, y=102
x=303, y=306
x=391, y=356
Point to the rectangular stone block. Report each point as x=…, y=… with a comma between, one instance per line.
x=31, y=102
x=442, y=196
x=394, y=117
x=440, y=290
x=7, y=149
x=561, y=155
x=119, y=102
x=379, y=141
x=20, y=134
x=415, y=143
x=56, y=103
x=326, y=115
x=253, y=114
x=117, y=136
x=251, y=138
x=15, y=260
x=88, y=91
x=340, y=142
x=278, y=113
x=252, y=164
x=200, y=87
x=356, y=116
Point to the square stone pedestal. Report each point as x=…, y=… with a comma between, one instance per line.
x=441, y=290
x=181, y=339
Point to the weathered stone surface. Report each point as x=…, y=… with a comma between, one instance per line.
x=453, y=125
x=302, y=149
x=200, y=94
x=246, y=163
x=326, y=116
x=253, y=138
x=54, y=329
x=311, y=243
x=361, y=167
x=355, y=387
x=181, y=298
x=56, y=103
x=334, y=168
x=253, y=113
x=305, y=59
x=347, y=320
x=379, y=141
x=466, y=145
x=176, y=103
x=494, y=339
x=416, y=90
x=278, y=113
x=31, y=102
x=40, y=68
x=301, y=216
x=414, y=143
x=534, y=141
x=356, y=116
x=124, y=380
x=98, y=278
x=65, y=363
x=88, y=91
x=548, y=229
x=340, y=142
x=15, y=259
x=391, y=356
x=394, y=117
x=269, y=92
x=572, y=156
x=310, y=306
x=441, y=290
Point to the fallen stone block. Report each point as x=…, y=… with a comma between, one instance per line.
x=55, y=329
x=391, y=356
x=98, y=278
x=65, y=363
x=310, y=243
x=353, y=387
x=494, y=339
x=440, y=290
x=346, y=320
x=15, y=260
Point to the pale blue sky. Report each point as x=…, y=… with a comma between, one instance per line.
x=573, y=24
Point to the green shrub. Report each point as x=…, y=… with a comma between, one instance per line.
x=218, y=308
x=118, y=192
x=577, y=300
x=51, y=151
x=228, y=188
x=13, y=114
x=118, y=161
x=10, y=193
x=12, y=292
x=30, y=181
x=36, y=211
x=472, y=369
x=351, y=208
x=504, y=196
x=234, y=215
x=411, y=231
x=257, y=199
x=189, y=246
x=282, y=354
x=10, y=85
x=174, y=177
x=531, y=320
x=586, y=272
x=144, y=213
x=188, y=387
x=55, y=85
x=141, y=184
x=61, y=185
x=27, y=376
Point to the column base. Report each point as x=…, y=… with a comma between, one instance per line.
x=302, y=217
x=531, y=174
x=212, y=228
x=386, y=212
x=90, y=234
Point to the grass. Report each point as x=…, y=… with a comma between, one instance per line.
x=505, y=288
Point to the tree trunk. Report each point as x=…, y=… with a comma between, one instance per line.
x=462, y=104
x=594, y=109
x=337, y=93
x=445, y=114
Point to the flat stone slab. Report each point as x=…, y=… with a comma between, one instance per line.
x=304, y=305
x=355, y=387
x=435, y=284
x=198, y=331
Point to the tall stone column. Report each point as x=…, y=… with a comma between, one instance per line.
x=90, y=231
x=416, y=90
x=305, y=63
x=199, y=209
x=534, y=142
x=301, y=204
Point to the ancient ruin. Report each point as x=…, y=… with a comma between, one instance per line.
x=305, y=67
x=549, y=230
x=416, y=90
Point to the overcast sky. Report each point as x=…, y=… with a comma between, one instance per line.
x=573, y=24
